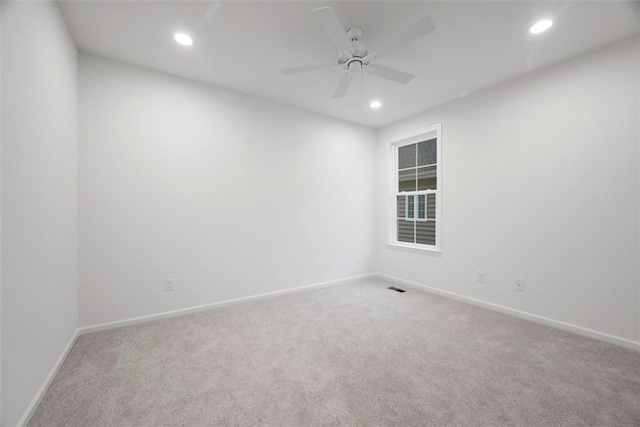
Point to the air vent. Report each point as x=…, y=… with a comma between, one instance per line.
x=393, y=288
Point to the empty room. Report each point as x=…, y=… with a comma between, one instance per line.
x=302, y=213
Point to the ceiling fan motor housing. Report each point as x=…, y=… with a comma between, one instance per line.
x=359, y=49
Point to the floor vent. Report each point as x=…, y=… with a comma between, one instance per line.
x=393, y=288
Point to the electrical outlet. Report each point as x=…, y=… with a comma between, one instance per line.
x=519, y=285
x=358, y=260
x=481, y=277
x=168, y=285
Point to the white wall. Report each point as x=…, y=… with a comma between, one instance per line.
x=227, y=194
x=541, y=183
x=0, y=213
x=39, y=198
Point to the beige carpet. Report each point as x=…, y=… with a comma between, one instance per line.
x=356, y=354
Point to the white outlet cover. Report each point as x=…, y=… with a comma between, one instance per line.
x=168, y=285
x=519, y=285
x=481, y=277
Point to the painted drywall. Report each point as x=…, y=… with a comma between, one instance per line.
x=39, y=199
x=227, y=194
x=0, y=214
x=540, y=182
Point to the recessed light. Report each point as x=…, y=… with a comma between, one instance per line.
x=183, y=39
x=375, y=104
x=541, y=26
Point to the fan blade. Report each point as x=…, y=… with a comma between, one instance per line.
x=390, y=73
x=343, y=85
x=412, y=32
x=334, y=29
x=305, y=68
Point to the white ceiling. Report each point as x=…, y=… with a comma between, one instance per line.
x=242, y=45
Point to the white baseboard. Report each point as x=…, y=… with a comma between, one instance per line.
x=188, y=310
x=589, y=333
x=31, y=409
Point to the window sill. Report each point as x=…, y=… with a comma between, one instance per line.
x=414, y=249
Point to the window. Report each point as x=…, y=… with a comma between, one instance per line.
x=416, y=186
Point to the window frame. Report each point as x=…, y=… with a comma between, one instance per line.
x=431, y=132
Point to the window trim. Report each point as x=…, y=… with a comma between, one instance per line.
x=434, y=131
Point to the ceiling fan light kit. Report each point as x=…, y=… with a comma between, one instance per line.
x=355, y=57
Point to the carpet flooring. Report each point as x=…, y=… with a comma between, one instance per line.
x=348, y=355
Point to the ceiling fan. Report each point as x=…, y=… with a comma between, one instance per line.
x=354, y=56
